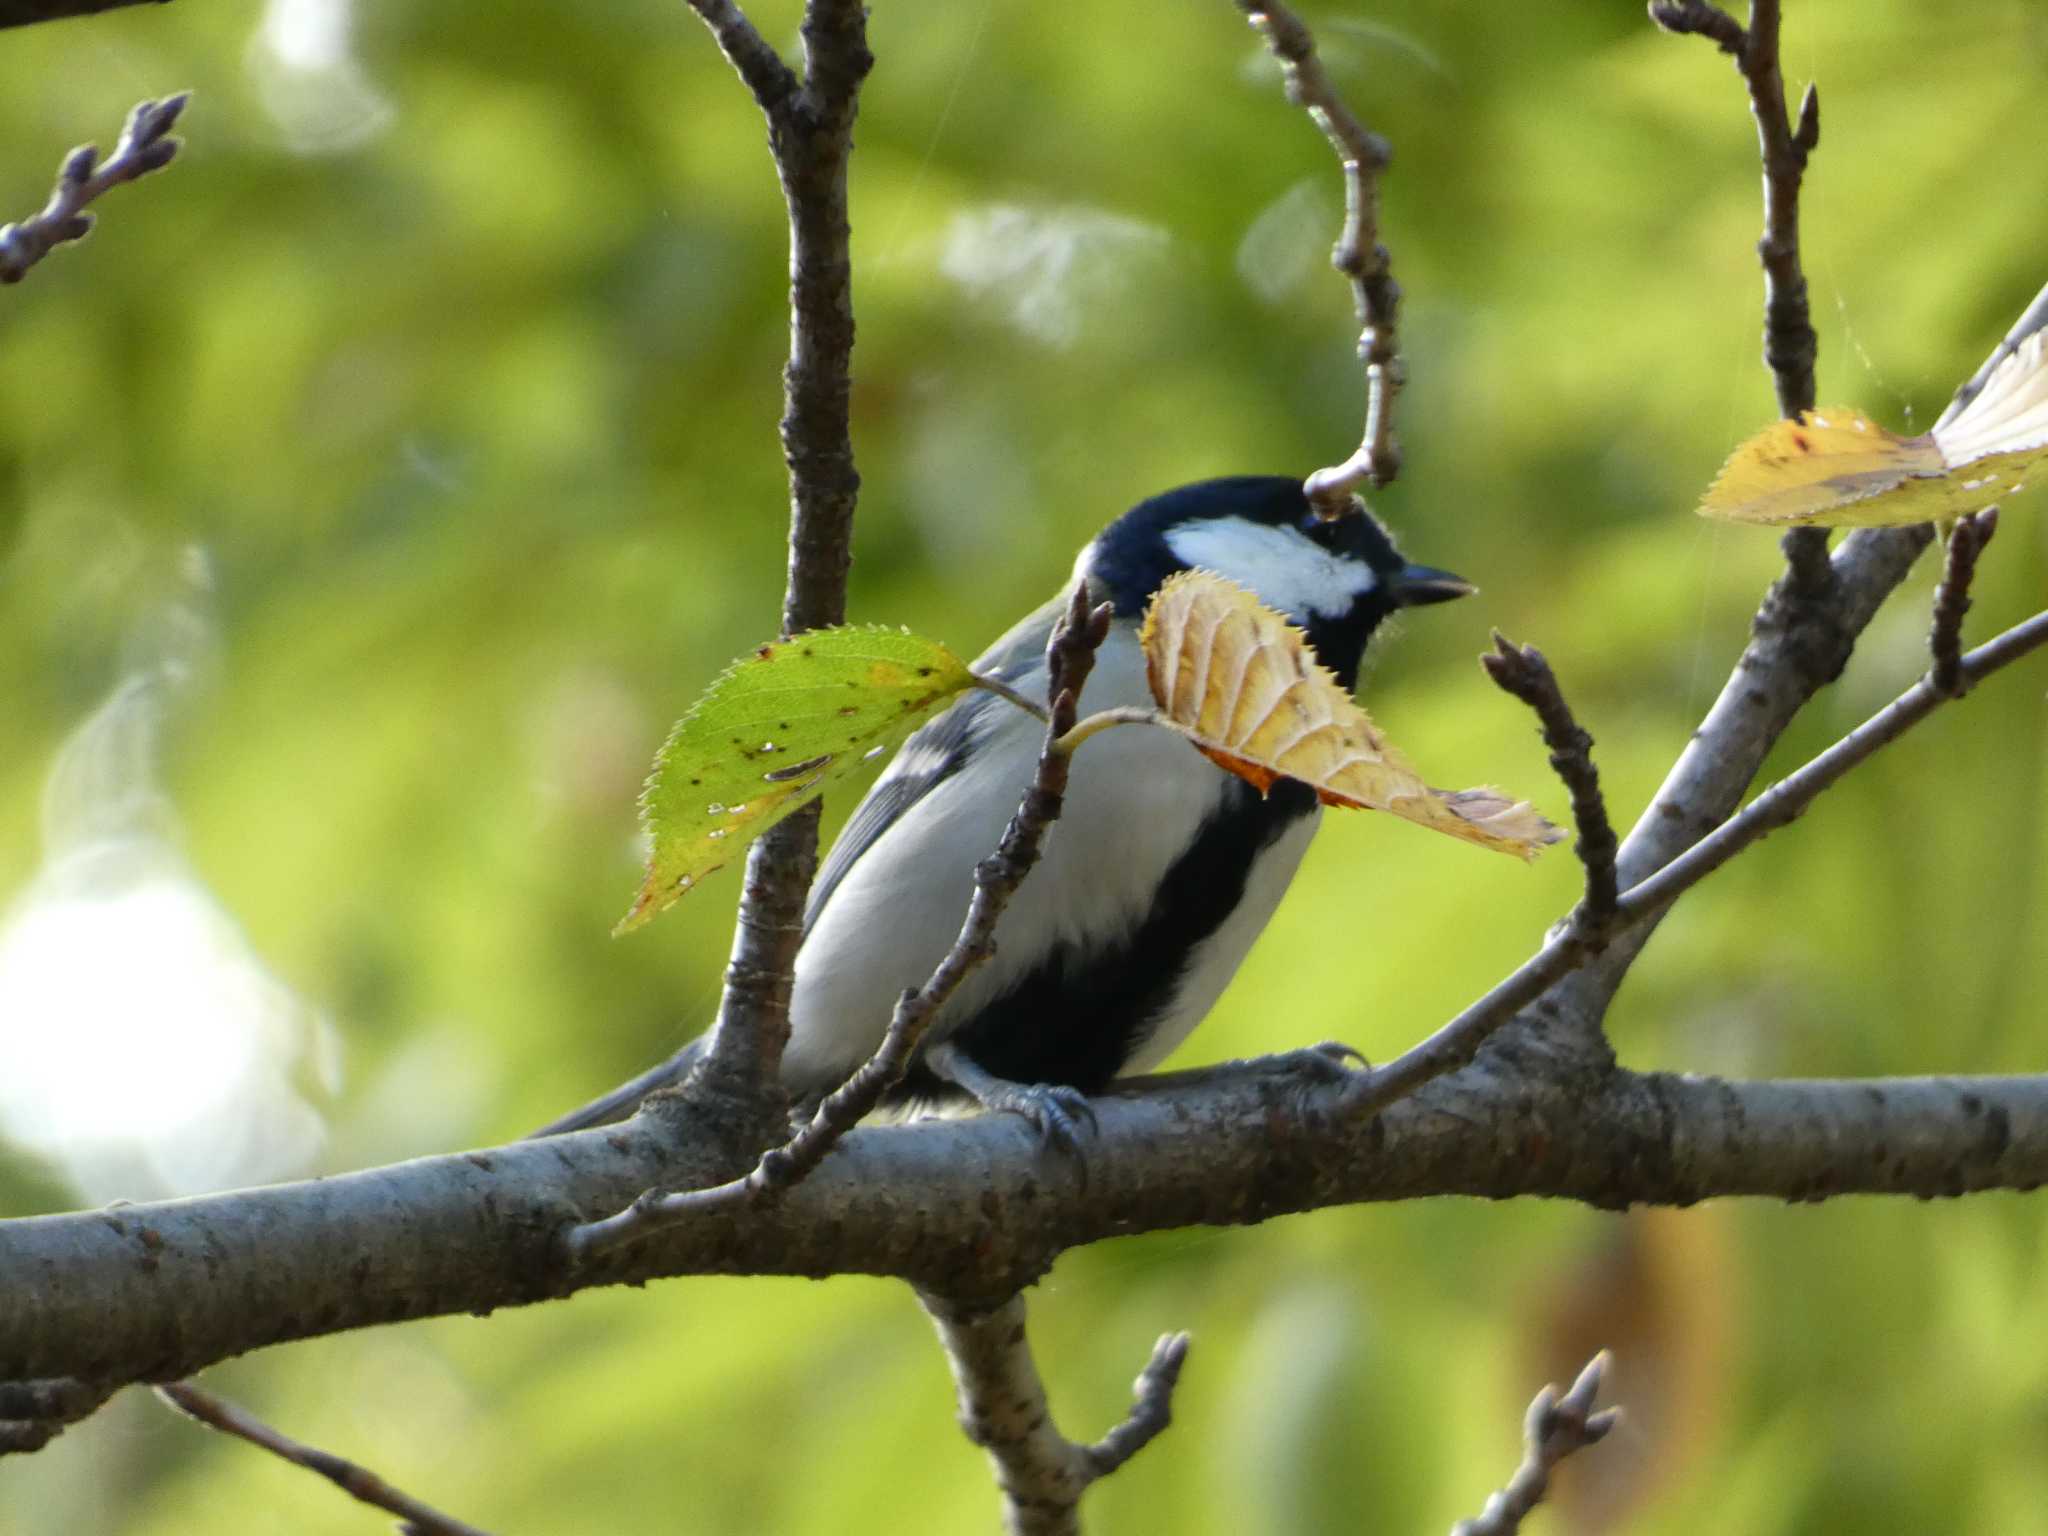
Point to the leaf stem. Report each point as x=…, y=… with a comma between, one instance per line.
x=1003, y=690
x=1104, y=719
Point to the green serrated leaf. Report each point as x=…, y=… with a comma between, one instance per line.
x=773, y=733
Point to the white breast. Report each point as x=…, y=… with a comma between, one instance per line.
x=1136, y=797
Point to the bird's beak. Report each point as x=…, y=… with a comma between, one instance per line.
x=1420, y=584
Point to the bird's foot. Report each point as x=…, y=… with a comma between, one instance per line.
x=1058, y=1114
x=1332, y=1062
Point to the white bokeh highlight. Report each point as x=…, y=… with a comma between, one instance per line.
x=1049, y=271
x=302, y=61
x=145, y=1049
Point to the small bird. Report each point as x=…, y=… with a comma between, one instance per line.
x=1153, y=884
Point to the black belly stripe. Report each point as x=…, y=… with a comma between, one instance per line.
x=1080, y=1015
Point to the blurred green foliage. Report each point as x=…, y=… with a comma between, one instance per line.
x=456, y=352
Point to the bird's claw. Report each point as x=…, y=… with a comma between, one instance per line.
x=1060, y=1115
x=1057, y=1112
x=1331, y=1062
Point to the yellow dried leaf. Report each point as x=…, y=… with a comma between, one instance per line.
x=1244, y=685
x=1837, y=468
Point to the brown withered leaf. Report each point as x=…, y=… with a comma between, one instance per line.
x=1245, y=687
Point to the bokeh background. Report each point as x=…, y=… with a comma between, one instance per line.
x=378, y=483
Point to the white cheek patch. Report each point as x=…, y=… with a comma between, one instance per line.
x=1283, y=567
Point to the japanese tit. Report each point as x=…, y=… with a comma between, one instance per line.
x=1160, y=873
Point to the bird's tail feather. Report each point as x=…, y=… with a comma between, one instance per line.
x=625, y=1098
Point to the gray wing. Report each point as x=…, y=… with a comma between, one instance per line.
x=933, y=753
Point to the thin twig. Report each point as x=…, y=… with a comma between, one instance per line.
x=1151, y=1407
x=753, y=58
x=1522, y=671
x=1966, y=542
x=1070, y=655
x=1787, y=799
x=358, y=1482
x=1003, y=1410
x=144, y=146
x=1358, y=255
x=1554, y=1428
x=1790, y=343
x=1458, y=1041
x=1697, y=17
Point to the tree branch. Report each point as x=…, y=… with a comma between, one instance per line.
x=967, y=1209
x=144, y=146
x=1458, y=1042
x=1554, y=1428
x=1358, y=255
x=1070, y=656
x=26, y=13
x=810, y=134
x=810, y=137
x=961, y=1209
x=33, y=1413
x=760, y=68
x=1785, y=801
x=1791, y=346
x=1966, y=543
x=358, y=1482
x=1003, y=1410
x=1522, y=671
x=1796, y=647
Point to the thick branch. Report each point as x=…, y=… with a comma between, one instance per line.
x=967, y=1209
x=145, y=145
x=1358, y=255
x=148, y=1292
x=1041, y=1473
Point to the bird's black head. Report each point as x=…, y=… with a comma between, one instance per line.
x=1337, y=580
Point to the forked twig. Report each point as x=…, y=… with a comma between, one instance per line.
x=1554, y=1428
x=1791, y=346
x=144, y=146
x=1003, y=1410
x=1457, y=1042
x=1358, y=255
